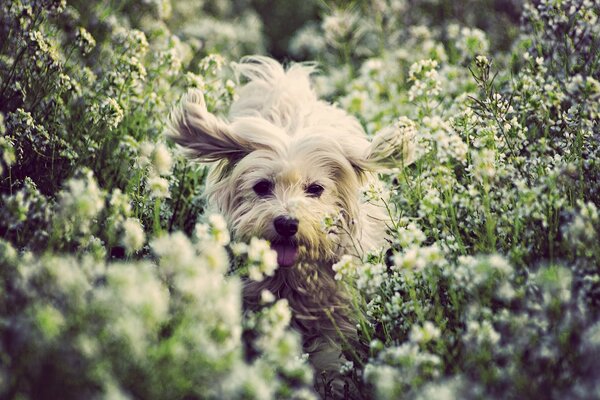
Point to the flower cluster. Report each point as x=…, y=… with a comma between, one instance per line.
x=117, y=281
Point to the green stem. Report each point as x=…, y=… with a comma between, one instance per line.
x=156, y=226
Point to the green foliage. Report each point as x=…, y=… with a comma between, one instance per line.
x=489, y=288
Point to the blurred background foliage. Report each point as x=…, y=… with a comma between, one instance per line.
x=113, y=282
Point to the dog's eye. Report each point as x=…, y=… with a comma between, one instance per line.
x=314, y=190
x=263, y=188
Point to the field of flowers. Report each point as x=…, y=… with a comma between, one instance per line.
x=115, y=284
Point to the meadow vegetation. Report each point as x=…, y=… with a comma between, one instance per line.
x=114, y=283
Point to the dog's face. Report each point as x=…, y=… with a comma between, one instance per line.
x=285, y=162
x=284, y=193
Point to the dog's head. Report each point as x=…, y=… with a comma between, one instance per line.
x=284, y=160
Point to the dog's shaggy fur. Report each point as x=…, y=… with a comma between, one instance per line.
x=284, y=160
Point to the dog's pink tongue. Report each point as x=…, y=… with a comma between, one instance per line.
x=287, y=253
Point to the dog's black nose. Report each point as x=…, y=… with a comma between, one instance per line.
x=286, y=226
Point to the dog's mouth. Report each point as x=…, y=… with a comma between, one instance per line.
x=287, y=253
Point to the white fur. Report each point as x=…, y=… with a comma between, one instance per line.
x=280, y=131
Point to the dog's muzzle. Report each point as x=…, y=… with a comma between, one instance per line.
x=286, y=247
x=286, y=226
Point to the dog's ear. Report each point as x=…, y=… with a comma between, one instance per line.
x=393, y=146
x=204, y=136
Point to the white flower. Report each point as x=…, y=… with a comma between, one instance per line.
x=119, y=202
x=82, y=201
x=409, y=235
x=472, y=41
x=345, y=268
x=263, y=260
x=484, y=163
x=161, y=159
x=133, y=235
x=338, y=26
x=201, y=232
x=425, y=333
x=347, y=368
x=266, y=296
x=424, y=76
x=159, y=187
x=112, y=113
x=500, y=264
x=416, y=258
x=215, y=256
x=218, y=229
x=482, y=61
x=84, y=40
x=370, y=277
x=175, y=252
x=481, y=332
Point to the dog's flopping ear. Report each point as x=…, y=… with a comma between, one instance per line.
x=393, y=146
x=203, y=135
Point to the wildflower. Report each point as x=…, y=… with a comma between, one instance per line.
x=133, y=235
x=484, y=164
x=66, y=275
x=307, y=41
x=171, y=60
x=386, y=380
x=339, y=26
x=120, y=203
x=50, y=320
x=263, y=260
x=194, y=80
x=555, y=282
x=135, y=69
x=202, y=232
x=472, y=41
x=582, y=229
x=81, y=200
x=212, y=63
x=450, y=389
x=111, y=113
x=374, y=191
x=158, y=187
x=133, y=40
x=84, y=40
x=8, y=254
x=214, y=256
x=424, y=334
x=417, y=258
x=161, y=159
x=266, y=297
x=370, y=277
x=425, y=80
x=505, y=292
x=145, y=154
x=175, y=252
x=482, y=61
x=347, y=368
x=500, y=264
x=219, y=231
x=345, y=268
x=140, y=297
x=481, y=333
x=409, y=235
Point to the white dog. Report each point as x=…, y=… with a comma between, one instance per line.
x=284, y=161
